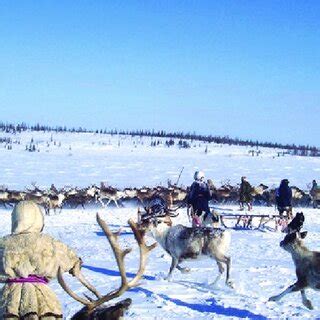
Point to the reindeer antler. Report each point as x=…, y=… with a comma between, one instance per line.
x=119, y=255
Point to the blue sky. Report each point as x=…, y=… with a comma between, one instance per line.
x=247, y=69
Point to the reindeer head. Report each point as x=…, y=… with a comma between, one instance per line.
x=293, y=241
x=297, y=193
x=147, y=223
x=296, y=224
x=154, y=214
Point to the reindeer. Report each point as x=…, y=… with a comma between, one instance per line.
x=295, y=224
x=300, y=197
x=37, y=196
x=227, y=193
x=92, y=193
x=76, y=197
x=315, y=197
x=4, y=197
x=260, y=193
x=94, y=309
x=173, y=194
x=179, y=195
x=16, y=196
x=130, y=193
x=111, y=194
x=182, y=242
x=307, y=265
x=54, y=201
x=145, y=194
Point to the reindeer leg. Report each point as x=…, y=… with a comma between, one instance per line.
x=227, y=261
x=116, y=202
x=101, y=202
x=174, y=263
x=221, y=270
x=305, y=300
x=293, y=288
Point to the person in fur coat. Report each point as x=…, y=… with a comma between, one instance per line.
x=245, y=196
x=29, y=259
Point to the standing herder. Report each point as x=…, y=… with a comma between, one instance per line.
x=198, y=197
x=28, y=260
x=284, y=198
x=315, y=194
x=314, y=187
x=245, y=197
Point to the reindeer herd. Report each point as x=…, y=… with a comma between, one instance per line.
x=54, y=199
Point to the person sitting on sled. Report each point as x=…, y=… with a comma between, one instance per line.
x=198, y=197
x=28, y=260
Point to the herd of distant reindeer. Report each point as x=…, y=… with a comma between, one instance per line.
x=73, y=197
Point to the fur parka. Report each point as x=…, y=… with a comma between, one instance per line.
x=28, y=252
x=199, y=197
x=245, y=191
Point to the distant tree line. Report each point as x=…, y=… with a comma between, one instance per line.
x=293, y=149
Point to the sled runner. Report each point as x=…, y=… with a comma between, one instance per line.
x=245, y=220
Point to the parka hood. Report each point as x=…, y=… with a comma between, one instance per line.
x=26, y=217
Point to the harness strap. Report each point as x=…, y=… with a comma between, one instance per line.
x=32, y=278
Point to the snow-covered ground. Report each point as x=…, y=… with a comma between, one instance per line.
x=123, y=161
x=260, y=268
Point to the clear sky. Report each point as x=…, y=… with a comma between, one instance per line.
x=247, y=69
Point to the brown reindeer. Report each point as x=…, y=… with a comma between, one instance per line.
x=94, y=309
x=15, y=196
x=300, y=197
x=178, y=195
x=4, y=197
x=76, y=197
x=38, y=197
x=54, y=201
x=110, y=194
x=315, y=197
x=307, y=265
x=227, y=193
x=145, y=194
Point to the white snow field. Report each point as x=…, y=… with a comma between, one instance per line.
x=81, y=159
x=260, y=268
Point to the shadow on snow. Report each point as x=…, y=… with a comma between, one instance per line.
x=123, y=233
x=211, y=305
x=114, y=273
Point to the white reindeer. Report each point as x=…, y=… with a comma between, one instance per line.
x=182, y=242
